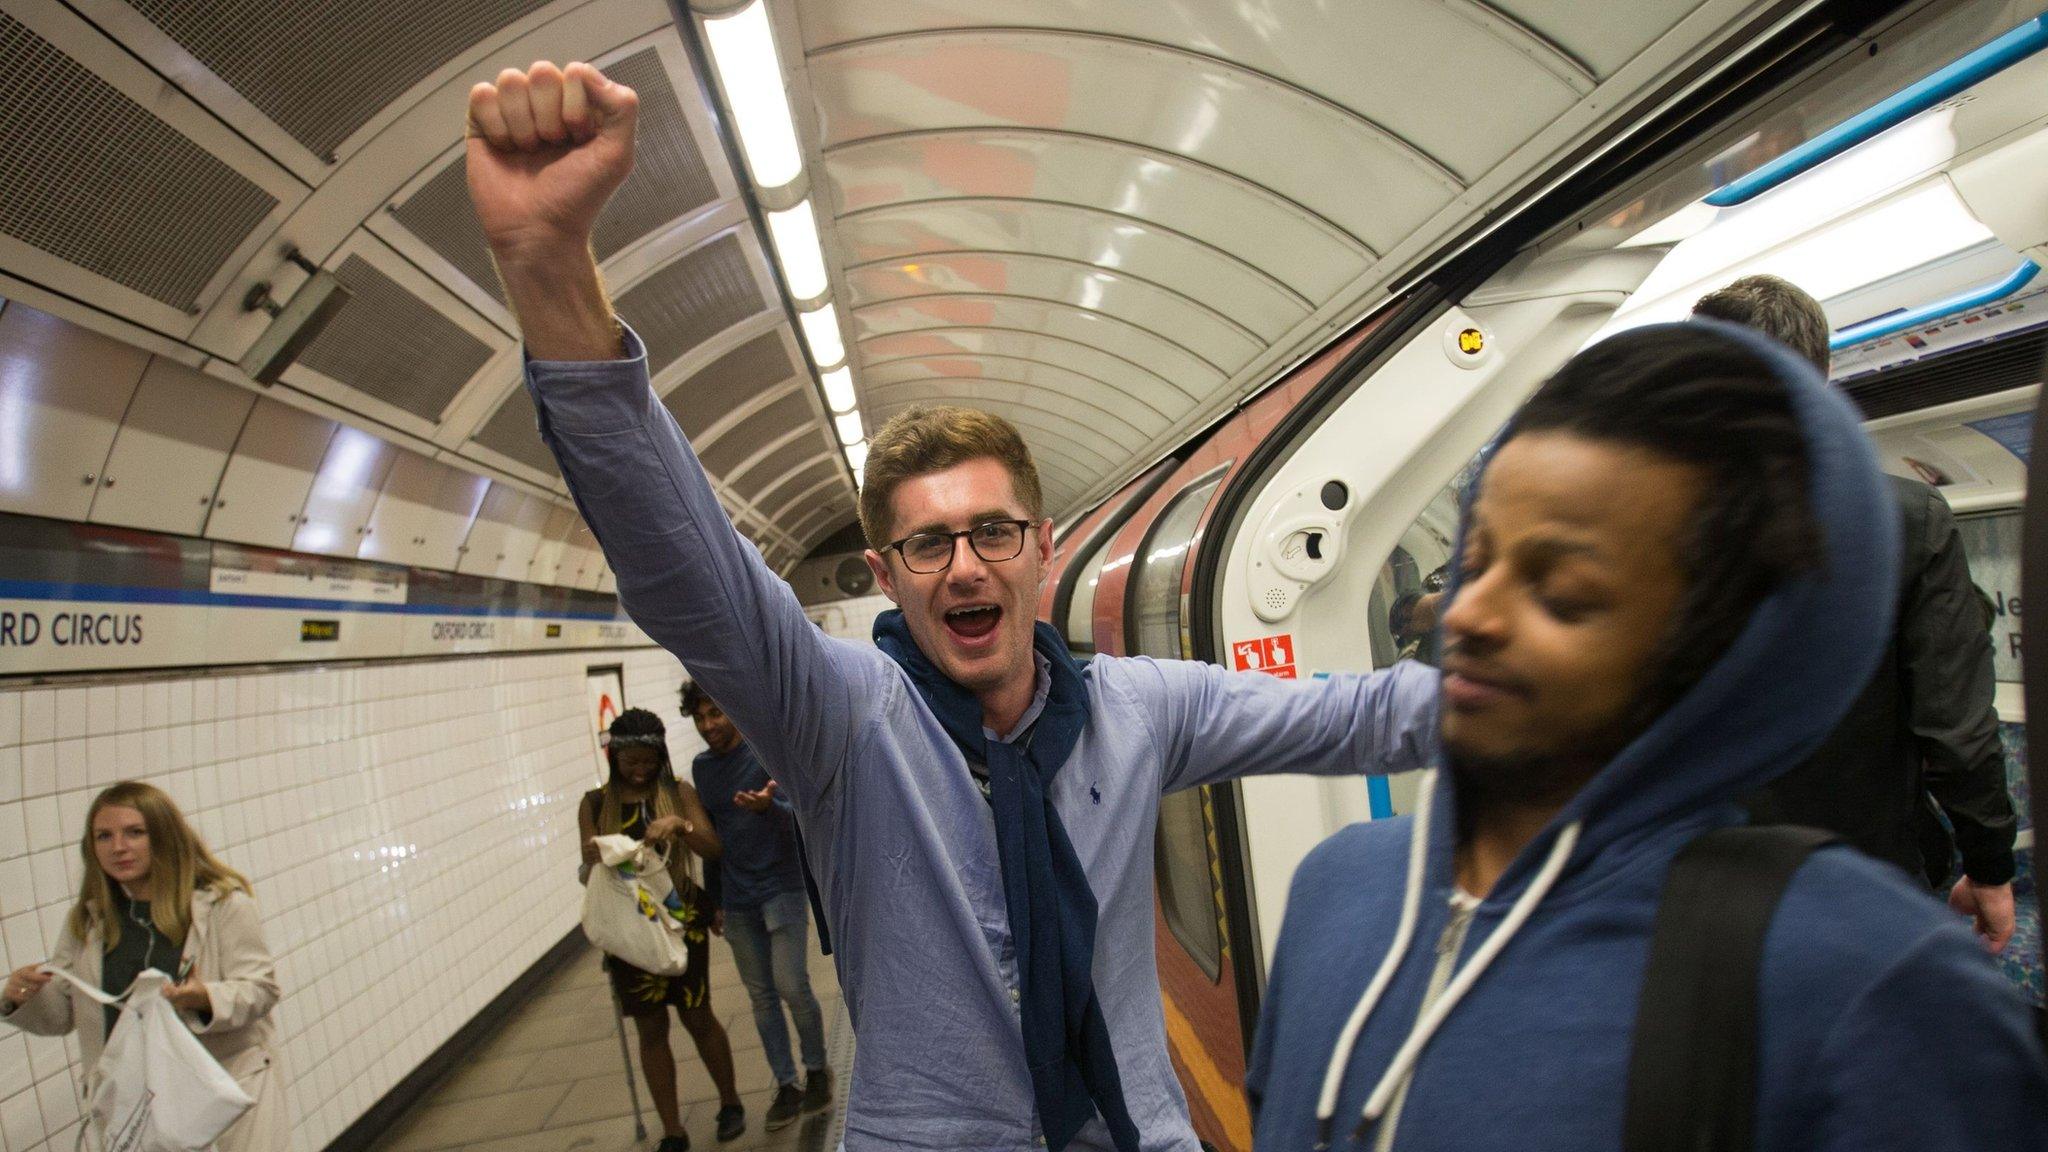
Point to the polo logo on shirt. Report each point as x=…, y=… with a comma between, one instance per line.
x=1095, y=792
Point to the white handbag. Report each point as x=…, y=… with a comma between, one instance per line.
x=623, y=907
x=156, y=1088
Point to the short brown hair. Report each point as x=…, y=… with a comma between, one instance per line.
x=931, y=438
x=1778, y=309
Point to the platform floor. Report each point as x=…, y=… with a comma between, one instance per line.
x=552, y=1078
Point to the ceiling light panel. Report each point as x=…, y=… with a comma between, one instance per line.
x=849, y=428
x=821, y=333
x=1899, y=235
x=795, y=234
x=743, y=51
x=839, y=390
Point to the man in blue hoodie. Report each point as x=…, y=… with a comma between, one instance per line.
x=1622, y=662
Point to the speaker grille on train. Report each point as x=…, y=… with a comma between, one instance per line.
x=669, y=179
x=92, y=178
x=390, y=344
x=322, y=71
x=514, y=432
x=1982, y=370
x=687, y=302
x=729, y=381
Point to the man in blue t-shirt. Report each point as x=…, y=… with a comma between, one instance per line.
x=764, y=915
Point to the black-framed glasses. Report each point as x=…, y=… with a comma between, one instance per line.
x=993, y=540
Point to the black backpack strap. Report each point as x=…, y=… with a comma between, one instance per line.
x=1693, y=1068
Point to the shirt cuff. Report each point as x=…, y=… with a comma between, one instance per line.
x=592, y=397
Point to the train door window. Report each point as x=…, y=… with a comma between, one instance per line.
x=1189, y=893
x=1154, y=607
x=1189, y=898
x=1992, y=544
x=1401, y=617
x=1079, y=621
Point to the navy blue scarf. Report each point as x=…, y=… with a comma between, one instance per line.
x=1052, y=908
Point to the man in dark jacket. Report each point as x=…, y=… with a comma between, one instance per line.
x=1925, y=724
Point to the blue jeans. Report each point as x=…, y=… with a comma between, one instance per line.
x=769, y=946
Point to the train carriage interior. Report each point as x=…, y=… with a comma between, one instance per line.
x=1257, y=283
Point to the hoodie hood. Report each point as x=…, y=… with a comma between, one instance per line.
x=1786, y=681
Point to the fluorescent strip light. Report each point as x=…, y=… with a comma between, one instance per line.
x=839, y=390
x=821, y=332
x=743, y=50
x=857, y=456
x=860, y=480
x=1897, y=236
x=849, y=428
x=1721, y=239
x=795, y=234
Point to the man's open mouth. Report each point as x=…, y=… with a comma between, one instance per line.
x=974, y=623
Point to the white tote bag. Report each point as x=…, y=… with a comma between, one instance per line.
x=156, y=1087
x=623, y=913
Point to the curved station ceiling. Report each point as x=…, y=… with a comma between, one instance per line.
x=1107, y=222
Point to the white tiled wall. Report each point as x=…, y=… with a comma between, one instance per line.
x=409, y=830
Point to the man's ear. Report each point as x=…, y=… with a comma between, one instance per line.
x=883, y=578
x=1041, y=536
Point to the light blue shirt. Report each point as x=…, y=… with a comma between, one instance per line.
x=901, y=840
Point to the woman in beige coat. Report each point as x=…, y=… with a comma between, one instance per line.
x=155, y=897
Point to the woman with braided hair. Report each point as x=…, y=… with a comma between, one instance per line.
x=644, y=800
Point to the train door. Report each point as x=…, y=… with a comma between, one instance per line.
x=1375, y=479
x=1197, y=967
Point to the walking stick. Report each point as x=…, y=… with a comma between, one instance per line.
x=626, y=1056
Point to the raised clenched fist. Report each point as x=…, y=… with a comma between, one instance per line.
x=547, y=148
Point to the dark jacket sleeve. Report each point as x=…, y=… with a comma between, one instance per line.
x=1945, y=657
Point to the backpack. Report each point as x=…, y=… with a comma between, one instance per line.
x=1693, y=1066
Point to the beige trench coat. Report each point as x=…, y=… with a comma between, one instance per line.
x=225, y=950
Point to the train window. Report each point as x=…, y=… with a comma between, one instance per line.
x=1188, y=893
x=1079, y=624
x=1073, y=603
x=1401, y=618
x=1992, y=544
x=1154, y=604
x=1189, y=896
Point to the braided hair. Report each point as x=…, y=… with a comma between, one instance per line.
x=637, y=727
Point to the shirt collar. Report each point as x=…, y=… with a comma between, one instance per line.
x=1041, y=688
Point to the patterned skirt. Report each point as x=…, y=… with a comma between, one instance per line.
x=646, y=994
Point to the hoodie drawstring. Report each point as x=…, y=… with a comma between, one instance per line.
x=1411, y=1050
x=1411, y=903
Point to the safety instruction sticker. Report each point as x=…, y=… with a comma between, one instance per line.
x=1273, y=655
